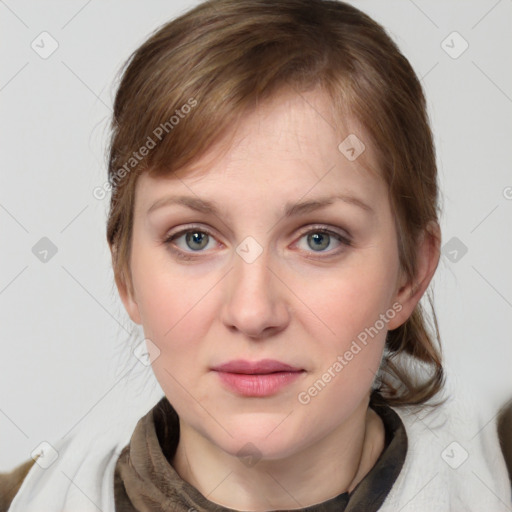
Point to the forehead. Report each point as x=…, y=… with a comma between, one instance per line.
x=290, y=144
x=302, y=125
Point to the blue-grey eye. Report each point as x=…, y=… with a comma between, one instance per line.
x=196, y=237
x=318, y=240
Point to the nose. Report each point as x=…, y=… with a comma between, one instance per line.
x=256, y=302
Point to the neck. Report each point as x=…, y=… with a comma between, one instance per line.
x=331, y=466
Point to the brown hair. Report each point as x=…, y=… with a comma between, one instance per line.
x=196, y=76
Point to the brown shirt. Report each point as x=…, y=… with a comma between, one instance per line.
x=145, y=481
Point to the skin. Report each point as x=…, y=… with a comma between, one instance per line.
x=295, y=303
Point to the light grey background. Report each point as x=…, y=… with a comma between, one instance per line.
x=64, y=332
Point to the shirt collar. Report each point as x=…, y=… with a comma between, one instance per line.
x=145, y=480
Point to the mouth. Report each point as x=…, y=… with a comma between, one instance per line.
x=257, y=379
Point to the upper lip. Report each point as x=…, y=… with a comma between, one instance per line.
x=255, y=367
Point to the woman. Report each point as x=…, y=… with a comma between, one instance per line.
x=273, y=227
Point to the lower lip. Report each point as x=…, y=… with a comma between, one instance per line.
x=259, y=384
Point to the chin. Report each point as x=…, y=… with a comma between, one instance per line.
x=250, y=451
x=260, y=439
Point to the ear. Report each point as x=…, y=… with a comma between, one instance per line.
x=126, y=292
x=409, y=293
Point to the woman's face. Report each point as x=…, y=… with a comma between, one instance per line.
x=271, y=275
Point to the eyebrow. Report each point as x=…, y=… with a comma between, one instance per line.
x=290, y=210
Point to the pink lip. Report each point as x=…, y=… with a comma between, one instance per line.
x=261, y=367
x=258, y=379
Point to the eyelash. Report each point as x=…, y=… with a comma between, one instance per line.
x=345, y=241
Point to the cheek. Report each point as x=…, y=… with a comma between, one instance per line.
x=165, y=297
x=176, y=323
x=176, y=310
x=353, y=299
x=347, y=359
x=173, y=317
x=354, y=306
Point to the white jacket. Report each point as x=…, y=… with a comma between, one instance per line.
x=453, y=464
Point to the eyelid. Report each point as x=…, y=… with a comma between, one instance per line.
x=326, y=229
